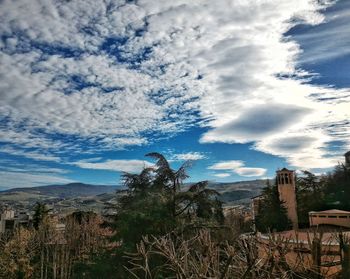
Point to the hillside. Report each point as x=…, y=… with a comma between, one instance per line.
x=238, y=192
x=94, y=196
x=71, y=190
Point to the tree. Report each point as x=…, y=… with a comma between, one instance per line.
x=337, y=188
x=87, y=241
x=198, y=197
x=168, y=179
x=17, y=255
x=315, y=193
x=40, y=212
x=199, y=202
x=272, y=214
x=156, y=203
x=310, y=196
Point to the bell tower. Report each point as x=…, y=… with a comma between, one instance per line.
x=286, y=191
x=347, y=159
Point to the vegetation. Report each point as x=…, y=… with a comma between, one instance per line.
x=40, y=213
x=166, y=229
x=316, y=193
x=272, y=213
x=310, y=196
x=50, y=252
x=155, y=203
x=337, y=188
x=244, y=257
x=313, y=193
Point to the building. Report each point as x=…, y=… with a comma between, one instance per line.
x=256, y=205
x=299, y=245
x=323, y=235
x=7, y=220
x=333, y=217
x=347, y=159
x=23, y=219
x=285, y=180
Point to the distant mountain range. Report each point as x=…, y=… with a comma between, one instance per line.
x=231, y=193
x=240, y=192
x=71, y=190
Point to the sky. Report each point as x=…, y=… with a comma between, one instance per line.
x=240, y=88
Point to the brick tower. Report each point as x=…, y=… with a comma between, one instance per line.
x=286, y=191
x=347, y=159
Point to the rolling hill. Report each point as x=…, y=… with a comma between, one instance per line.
x=71, y=190
x=231, y=193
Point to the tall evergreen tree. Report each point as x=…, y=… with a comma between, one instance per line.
x=272, y=213
x=310, y=196
x=40, y=212
x=337, y=188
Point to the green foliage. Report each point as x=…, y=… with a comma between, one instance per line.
x=314, y=193
x=101, y=266
x=337, y=188
x=143, y=214
x=272, y=214
x=310, y=196
x=155, y=202
x=321, y=193
x=40, y=212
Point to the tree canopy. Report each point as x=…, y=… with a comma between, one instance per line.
x=156, y=202
x=272, y=214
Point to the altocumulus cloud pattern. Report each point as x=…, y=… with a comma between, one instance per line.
x=100, y=75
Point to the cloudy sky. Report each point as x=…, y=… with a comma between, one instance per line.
x=239, y=87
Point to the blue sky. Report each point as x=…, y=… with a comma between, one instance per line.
x=241, y=88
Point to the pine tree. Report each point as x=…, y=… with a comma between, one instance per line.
x=272, y=214
x=40, y=212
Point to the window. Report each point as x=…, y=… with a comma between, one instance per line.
x=286, y=178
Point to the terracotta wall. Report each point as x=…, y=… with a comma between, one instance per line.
x=342, y=220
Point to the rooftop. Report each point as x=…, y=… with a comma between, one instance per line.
x=285, y=169
x=331, y=211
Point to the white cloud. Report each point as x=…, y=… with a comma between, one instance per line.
x=132, y=166
x=34, y=169
x=222, y=175
x=227, y=165
x=190, y=156
x=237, y=167
x=35, y=155
x=318, y=41
x=17, y=174
x=109, y=75
x=302, y=150
x=10, y=179
x=250, y=171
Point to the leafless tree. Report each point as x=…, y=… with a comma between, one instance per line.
x=248, y=257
